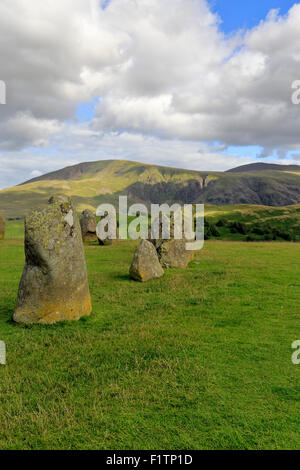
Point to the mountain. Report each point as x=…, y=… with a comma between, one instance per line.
x=92, y=183
x=264, y=167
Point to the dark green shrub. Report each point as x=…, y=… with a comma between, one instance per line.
x=239, y=227
x=214, y=231
x=258, y=230
x=221, y=223
x=286, y=236
x=268, y=236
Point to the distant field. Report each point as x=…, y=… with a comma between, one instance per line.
x=199, y=359
x=253, y=223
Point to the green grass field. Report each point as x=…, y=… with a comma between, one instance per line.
x=199, y=359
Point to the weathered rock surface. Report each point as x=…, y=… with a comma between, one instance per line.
x=171, y=252
x=2, y=226
x=145, y=264
x=54, y=284
x=88, y=225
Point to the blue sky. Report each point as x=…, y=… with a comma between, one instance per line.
x=238, y=14
x=86, y=111
x=245, y=14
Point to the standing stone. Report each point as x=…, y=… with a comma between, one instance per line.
x=111, y=235
x=108, y=241
x=172, y=252
x=54, y=284
x=88, y=226
x=2, y=226
x=145, y=264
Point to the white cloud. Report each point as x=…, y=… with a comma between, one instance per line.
x=74, y=146
x=23, y=129
x=35, y=173
x=189, y=82
x=162, y=69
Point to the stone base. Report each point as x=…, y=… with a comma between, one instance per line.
x=53, y=312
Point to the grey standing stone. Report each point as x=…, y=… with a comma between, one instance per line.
x=54, y=284
x=145, y=264
x=108, y=241
x=111, y=235
x=171, y=252
x=88, y=225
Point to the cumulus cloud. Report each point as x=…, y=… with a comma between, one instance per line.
x=195, y=84
x=162, y=70
x=23, y=129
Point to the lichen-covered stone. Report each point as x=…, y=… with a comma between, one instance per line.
x=171, y=252
x=54, y=283
x=145, y=264
x=2, y=226
x=88, y=225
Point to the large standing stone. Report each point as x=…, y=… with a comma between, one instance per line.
x=54, y=284
x=2, y=226
x=145, y=264
x=88, y=225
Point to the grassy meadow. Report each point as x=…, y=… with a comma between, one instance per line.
x=199, y=359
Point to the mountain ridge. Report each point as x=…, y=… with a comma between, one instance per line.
x=91, y=183
x=262, y=166
x=72, y=172
x=75, y=171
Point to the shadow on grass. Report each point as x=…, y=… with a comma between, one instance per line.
x=287, y=393
x=120, y=277
x=6, y=313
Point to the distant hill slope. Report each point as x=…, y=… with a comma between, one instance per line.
x=264, y=167
x=92, y=183
x=70, y=172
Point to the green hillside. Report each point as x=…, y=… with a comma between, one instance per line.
x=95, y=182
x=252, y=223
